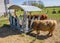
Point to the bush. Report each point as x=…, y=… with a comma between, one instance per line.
x=54, y=12
x=59, y=11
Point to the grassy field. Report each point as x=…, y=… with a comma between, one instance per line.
x=51, y=15
x=4, y=20
x=9, y=35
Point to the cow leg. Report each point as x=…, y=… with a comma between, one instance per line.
x=50, y=33
x=38, y=32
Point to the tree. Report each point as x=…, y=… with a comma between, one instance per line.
x=34, y=3
x=24, y=3
x=38, y=5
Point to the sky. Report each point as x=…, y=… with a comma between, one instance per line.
x=46, y=2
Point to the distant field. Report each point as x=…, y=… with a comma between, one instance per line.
x=51, y=15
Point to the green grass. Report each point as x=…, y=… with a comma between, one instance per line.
x=54, y=16
x=51, y=15
x=4, y=20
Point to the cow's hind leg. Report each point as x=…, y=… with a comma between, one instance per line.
x=51, y=30
x=50, y=33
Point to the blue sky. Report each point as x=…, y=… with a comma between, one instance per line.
x=46, y=2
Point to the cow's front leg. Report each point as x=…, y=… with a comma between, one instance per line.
x=38, y=32
x=48, y=33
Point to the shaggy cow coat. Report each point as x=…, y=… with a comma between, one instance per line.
x=44, y=25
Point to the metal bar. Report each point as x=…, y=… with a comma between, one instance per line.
x=6, y=9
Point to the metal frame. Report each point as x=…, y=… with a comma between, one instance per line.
x=24, y=28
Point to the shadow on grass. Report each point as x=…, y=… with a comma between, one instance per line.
x=40, y=37
x=6, y=30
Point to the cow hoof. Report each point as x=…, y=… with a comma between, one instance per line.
x=49, y=35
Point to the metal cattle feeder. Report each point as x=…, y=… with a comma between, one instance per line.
x=14, y=21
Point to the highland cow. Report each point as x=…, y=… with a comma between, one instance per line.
x=44, y=25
